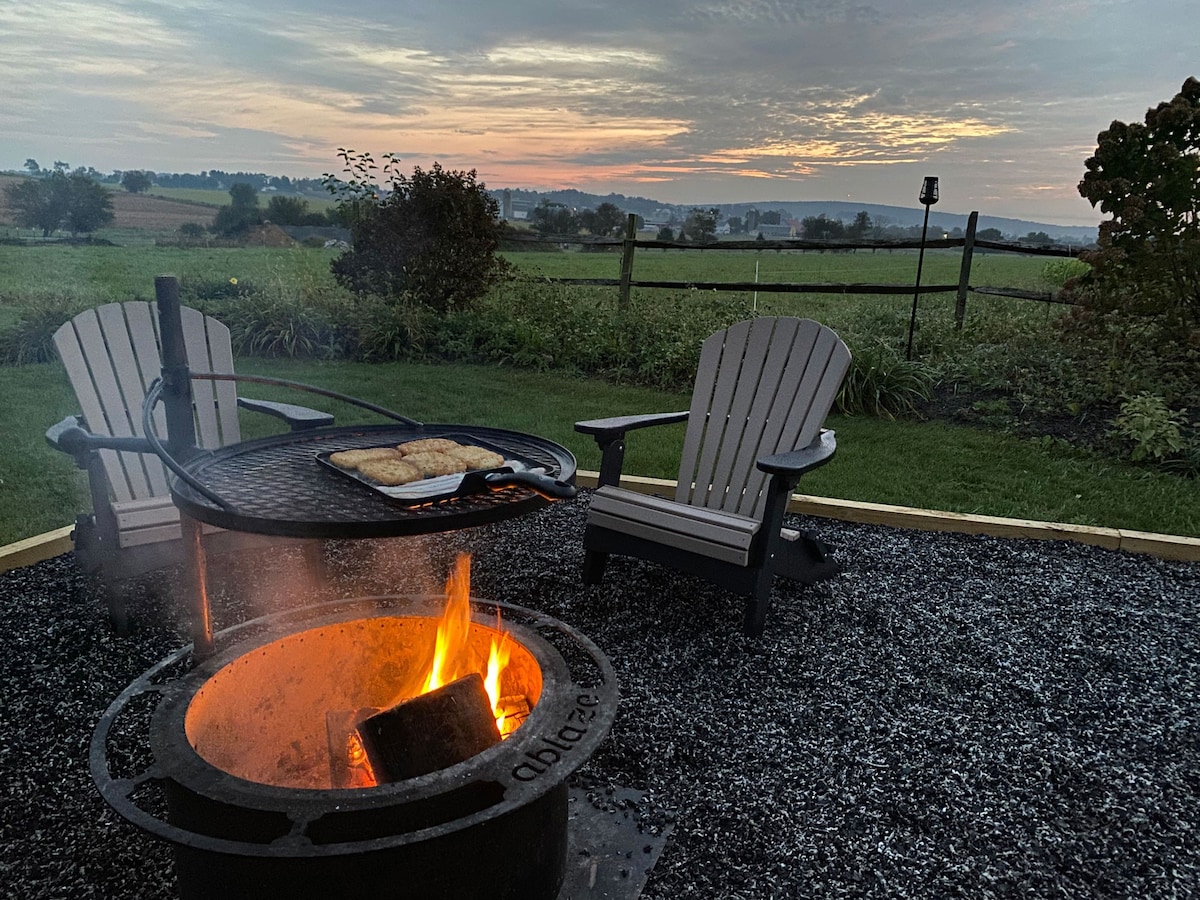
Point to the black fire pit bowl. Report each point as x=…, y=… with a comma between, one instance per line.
x=493, y=826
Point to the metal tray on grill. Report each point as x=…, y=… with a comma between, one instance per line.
x=516, y=471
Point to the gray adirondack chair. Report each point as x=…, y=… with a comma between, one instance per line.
x=762, y=392
x=112, y=355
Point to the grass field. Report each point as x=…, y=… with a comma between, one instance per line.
x=215, y=198
x=105, y=274
x=908, y=463
x=129, y=268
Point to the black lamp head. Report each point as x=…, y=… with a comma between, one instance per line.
x=929, y=190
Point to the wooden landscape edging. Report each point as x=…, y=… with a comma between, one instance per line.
x=1165, y=546
x=37, y=548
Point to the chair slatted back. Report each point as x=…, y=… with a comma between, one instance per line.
x=763, y=386
x=112, y=354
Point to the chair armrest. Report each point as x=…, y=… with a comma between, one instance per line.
x=71, y=437
x=298, y=418
x=795, y=463
x=604, y=430
x=610, y=435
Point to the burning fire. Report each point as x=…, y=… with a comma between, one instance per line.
x=452, y=658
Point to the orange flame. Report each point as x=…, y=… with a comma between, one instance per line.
x=453, y=659
x=497, y=661
x=451, y=655
x=450, y=649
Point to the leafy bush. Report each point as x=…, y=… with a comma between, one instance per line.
x=1153, y=428
x=1144, y=176
x=433, y=236
x=883, y=384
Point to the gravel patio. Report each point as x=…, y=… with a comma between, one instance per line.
x=952, y=716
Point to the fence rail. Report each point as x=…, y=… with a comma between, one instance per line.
x=630, y=244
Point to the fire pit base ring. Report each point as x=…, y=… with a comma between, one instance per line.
x=493, y=826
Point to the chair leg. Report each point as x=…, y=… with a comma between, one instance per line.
x=593, y=566
x=118, y=609
x=758, y=605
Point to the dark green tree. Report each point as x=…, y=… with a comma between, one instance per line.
x=1146, y=176
x=989, y=234
x=554, y=218
x=822, y=228
x=607, y=219
x=241, y=214
x=243, y=196
x=861, y=226
x=32, y=165
x=701, y=225
x=88, y=204
x=665, y=234
x=59, y=199
x=287, y=210
x=136, y=181
x=36, y=204
x=432, y=235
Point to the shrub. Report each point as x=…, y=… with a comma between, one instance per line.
x=31, y=339
x=378, y=331
x=883, y=384
x=433, y=236
x=266, y=325
x=1154, y=430
x=1144, y=177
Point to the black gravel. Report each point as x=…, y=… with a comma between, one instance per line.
x=951, y=716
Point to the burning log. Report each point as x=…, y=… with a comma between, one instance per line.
x=431, y=731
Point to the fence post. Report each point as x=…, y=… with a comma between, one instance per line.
x=964, y=274
x=627, y=258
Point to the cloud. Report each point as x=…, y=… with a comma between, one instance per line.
x=724, y=96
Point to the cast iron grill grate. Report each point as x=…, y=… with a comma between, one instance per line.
x=276, y=485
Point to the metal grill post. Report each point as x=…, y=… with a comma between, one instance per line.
x=177, y=379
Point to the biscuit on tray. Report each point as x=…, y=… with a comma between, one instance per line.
x=353, y=459
x=433, y=463
x=427, y=445
x=477, y=457
x=390, y=471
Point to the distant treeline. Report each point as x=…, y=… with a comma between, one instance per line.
x=215, y=179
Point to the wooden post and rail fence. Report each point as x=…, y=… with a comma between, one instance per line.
x=630, y=243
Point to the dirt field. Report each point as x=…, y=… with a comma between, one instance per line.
x=133, y=210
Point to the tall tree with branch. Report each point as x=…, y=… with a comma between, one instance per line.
x=1146, y=176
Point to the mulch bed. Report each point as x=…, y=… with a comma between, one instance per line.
x=951, y=716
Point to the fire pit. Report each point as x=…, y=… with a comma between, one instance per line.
x=237, y=765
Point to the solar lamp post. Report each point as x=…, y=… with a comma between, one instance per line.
x=928, y=197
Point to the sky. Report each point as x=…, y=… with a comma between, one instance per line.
x=716, y=101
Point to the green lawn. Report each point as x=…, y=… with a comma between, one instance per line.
x=924, y=465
